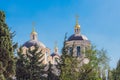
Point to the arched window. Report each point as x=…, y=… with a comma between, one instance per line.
x=33, y=37
x=78, y=50
x=70, y=50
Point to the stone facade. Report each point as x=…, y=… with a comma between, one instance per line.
x=47, y=57
x=76, y=44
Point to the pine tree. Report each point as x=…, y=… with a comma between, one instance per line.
x=50, y=72
x=68, y=65
x=21, y=66
x=29, y=65
x=7, y=63
x=1, y=72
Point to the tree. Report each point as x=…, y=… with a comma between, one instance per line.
x=116, y=72
x=50, y=72
x=68, y=65
x=103, y=62
x=68, y=69
x=7, y=62
x=29, y=65
x=22, y=62
x=71, y=69
x=90, y=71
x=110, y=75
x=1, y=72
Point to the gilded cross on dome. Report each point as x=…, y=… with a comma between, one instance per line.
x=33, y=26
x=56, y=48
x=77, y=19
x=55, y=44
x=33, y=29
x=77, y=26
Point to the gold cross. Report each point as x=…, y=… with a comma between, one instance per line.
x=77, y=19
x=33, y=26
x=55, y=44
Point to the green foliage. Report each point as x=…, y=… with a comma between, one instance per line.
x=90, y=71
x=21, y=66
x=6, y=50
x=50, y=72
x=68, y=69
x=29, y=65
x=110, y=75
x=68, y=65
x=99, y=62
x=116, y=72
x=72, y=70
x=1, y=72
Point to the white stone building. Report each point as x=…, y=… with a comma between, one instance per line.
x=45, y=50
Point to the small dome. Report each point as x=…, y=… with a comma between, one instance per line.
x=33, y=32
x=77, y=26
x=55, y=54
x=77, y=37
x=31, y=43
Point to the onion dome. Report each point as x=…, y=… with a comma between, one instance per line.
x=77, y=35
x=33, y=32
x=77, y=26
x=33, y=41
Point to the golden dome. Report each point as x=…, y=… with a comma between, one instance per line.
x=77, y=26
x=33, y=31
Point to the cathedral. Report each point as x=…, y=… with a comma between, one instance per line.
x=80, y=42
x=47, y=57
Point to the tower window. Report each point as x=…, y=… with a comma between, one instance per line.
x=33, y=37
x=78, y=50
x=70, y=50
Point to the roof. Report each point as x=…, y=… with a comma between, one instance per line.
x=31, y=43
x=54, y=54
x=77, y=37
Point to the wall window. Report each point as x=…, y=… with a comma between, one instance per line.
x=70, y=50
x=33, y=37
x=78, y=50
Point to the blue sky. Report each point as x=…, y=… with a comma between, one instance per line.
x=99, y=20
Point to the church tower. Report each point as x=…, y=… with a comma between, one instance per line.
x=35, y=42
x=80, y=41
x=55, y=55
